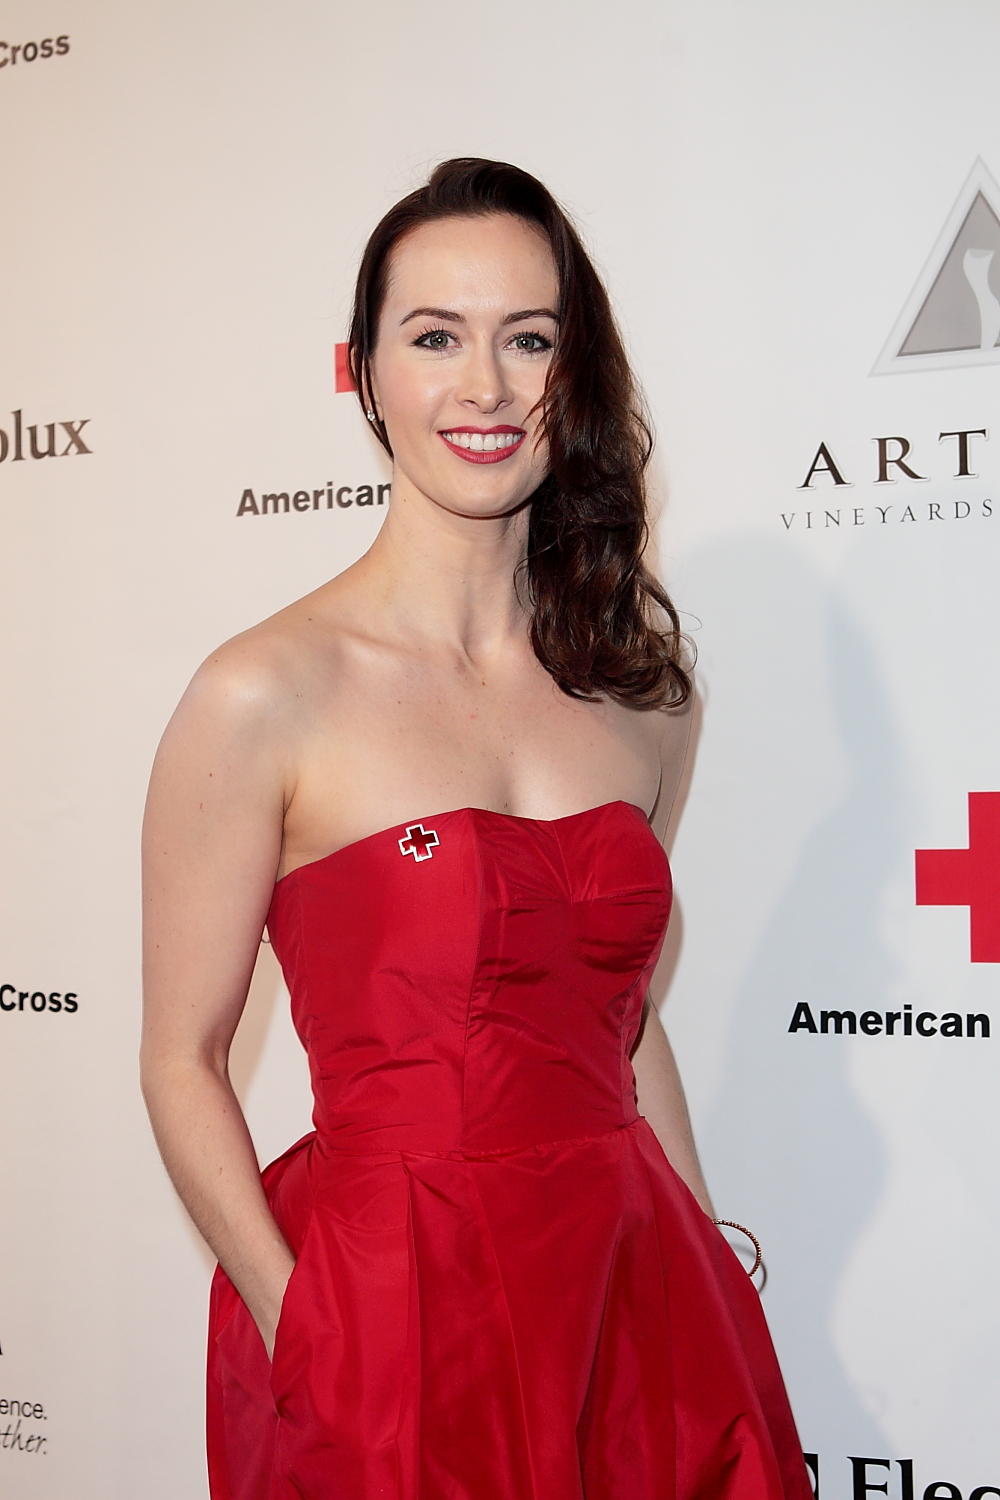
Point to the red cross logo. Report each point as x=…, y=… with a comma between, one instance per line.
x=342, y=369
x=419, y=841
x=969, y=877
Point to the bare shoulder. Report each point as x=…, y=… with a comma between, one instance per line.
x=230, y=759
x=261, y=684
x=242, y=691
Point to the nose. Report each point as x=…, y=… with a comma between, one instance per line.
x=483, y=382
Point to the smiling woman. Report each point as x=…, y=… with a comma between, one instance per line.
x=601, y=623
x=434, y=367
x=441, y=780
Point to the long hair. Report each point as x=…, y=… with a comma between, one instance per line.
x=601, y=624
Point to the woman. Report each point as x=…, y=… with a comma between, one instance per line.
x=491, y=1272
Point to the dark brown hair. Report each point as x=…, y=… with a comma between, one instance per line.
x=601, y=623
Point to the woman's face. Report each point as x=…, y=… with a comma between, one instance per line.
x=464, y=344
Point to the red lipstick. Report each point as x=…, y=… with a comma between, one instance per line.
x=480, y=455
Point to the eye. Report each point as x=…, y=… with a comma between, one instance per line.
x=434, y=338
x=530, y=343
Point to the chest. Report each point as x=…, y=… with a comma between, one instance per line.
x=387, y=746
x=505, y=731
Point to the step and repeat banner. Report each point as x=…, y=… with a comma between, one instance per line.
x=797, y=210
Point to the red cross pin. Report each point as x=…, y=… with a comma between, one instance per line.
x=969, y=877
x=419, y=841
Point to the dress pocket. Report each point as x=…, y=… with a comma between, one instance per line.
x=290, y=1352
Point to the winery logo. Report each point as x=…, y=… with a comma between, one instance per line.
x=952, y=317
x=891, y=473
x=27, y=440
x=950, y=320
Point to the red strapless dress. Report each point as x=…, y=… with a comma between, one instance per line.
x=502, y=1289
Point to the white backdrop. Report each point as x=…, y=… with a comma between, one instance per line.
x=771, y=191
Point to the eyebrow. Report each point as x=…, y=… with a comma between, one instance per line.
x=447, y=316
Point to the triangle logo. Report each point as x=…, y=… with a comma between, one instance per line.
x=952, y=317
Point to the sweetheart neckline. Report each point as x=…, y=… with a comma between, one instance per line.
x=452, y=812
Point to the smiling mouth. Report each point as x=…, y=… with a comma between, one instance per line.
x=484, y=446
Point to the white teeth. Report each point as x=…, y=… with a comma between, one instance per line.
x=483, y=442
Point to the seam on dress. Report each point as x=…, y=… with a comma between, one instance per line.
x=412, y=1323
x=477, y=854
x=597, y=1341
x=665, y=1270
x=568, y=884
x=664, y=1263
x=513, y=1340
x=402, y=1153
x=302, y=966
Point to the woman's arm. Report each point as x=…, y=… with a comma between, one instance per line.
x=211, y=843
x=660, y=1097
x=659, y=1090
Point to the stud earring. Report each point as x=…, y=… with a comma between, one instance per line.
x=371, y=415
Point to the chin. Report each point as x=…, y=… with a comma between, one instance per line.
x=484, y=494
x=482, y=507
x=497, y=496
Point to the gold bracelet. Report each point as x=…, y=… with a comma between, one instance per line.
x=731, y=1224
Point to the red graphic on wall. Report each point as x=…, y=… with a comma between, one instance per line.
x=969, y=877
x=344, y=381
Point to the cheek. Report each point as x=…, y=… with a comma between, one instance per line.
x=540, y=456
x=409, y=398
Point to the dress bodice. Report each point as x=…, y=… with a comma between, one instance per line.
x=501, y=1289
x=473, y=982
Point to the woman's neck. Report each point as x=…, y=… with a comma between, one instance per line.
x=445, y=577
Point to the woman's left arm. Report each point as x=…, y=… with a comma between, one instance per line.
x=659, y=1091
x=660, y=1097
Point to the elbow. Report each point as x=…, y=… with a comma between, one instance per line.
x=169, y=1073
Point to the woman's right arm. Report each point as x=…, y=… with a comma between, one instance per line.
x=211, y=844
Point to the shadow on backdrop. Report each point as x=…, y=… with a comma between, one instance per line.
x=788, y=1141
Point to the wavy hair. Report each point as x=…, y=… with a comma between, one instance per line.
x=601, y=624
